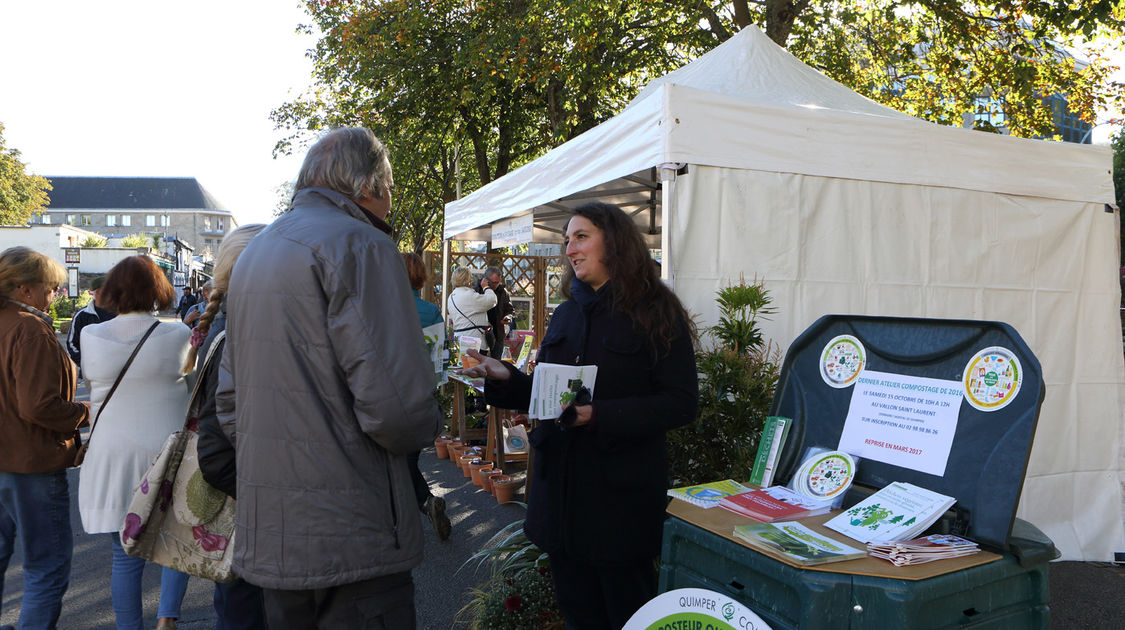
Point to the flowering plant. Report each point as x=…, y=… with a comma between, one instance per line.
x=519, y=594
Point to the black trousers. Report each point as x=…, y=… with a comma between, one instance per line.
x=600, y=598
x=382, y=603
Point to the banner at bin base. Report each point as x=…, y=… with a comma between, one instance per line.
x=694, y=609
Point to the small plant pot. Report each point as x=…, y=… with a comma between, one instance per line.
x=486, y=476
x=475, y=469
x=441, y=446
x=505, y=489
x=467, y=459
x=455, y=451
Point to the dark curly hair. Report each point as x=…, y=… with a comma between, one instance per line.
x=637, y=288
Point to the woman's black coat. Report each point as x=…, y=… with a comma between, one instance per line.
x=599, y=493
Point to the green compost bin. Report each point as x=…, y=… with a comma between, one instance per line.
x=985, y=470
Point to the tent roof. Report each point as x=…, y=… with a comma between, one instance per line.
x=749, y=104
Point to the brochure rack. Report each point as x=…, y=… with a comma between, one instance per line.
x=986, y=431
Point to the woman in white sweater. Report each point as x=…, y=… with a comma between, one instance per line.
x=468, y=310
x=146, y=408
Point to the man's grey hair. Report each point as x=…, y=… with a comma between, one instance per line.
x=349, y=160
x=493, y=270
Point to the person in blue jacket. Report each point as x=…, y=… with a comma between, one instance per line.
x=598, y=482
x=428, y=315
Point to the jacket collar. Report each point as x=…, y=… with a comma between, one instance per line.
x=34, y=311
x=586, y=296
x=345, y=203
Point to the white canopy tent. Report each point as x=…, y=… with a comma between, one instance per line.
x=842, y=205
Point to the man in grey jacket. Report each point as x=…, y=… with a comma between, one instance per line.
x=328, y=385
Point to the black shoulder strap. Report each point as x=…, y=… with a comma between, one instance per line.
x=120, y=376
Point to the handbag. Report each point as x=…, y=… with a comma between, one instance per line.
x=515, y=438
x=80, y=455
x=176, y=519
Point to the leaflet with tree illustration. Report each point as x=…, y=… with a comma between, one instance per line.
x=796, y=542
x=900, y=511
x=554, y=386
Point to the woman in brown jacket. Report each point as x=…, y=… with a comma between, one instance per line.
x=39, y=422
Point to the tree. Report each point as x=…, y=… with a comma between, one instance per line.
x=22, y=195
x=1118, y=144
x=500, y=82
x=938, y=59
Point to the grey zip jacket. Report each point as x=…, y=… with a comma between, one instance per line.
x=328, y=385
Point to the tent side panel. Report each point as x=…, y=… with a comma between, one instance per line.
x=1047, y=267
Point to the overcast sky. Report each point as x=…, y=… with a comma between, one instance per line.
x=159, y=88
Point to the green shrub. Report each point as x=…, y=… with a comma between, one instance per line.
x=136, y=240
x=94, y=241
x=737, y=379
x=61, y=306
x=83, y=299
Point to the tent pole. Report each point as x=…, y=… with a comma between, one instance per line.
x=445, y=280
x=667, y=203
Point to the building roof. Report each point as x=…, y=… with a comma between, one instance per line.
x=131, y=193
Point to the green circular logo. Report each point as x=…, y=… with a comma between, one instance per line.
x=991, y=378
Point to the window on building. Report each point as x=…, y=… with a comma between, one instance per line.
x=70, y=219
x=150, y=220
x=45, y=219
x=163, y=220
x=111, y=220
x=207, y=243
x=86, y=220
x=126, y=220
x=206, y=224
x=218, y=224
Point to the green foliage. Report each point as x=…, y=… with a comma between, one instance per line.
x=135, y=241
x=94, y=240
x=737, y=379
x=741, y=306
x=61, y=306
x=22, y=195
x=518, y=594
x=83, y=299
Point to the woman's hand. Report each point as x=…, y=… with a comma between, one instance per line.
x=582, y=414
x=488, y=368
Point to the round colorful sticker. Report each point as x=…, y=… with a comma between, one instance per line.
x=992, y=378
x=825, y=475
x=842, y=361
x=695, y=608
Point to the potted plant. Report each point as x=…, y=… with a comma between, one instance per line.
x=518, y=593
x=738, y=372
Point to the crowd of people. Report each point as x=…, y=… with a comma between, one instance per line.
x=315, y=396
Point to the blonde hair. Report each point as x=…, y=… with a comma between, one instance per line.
x=229, y=251
x=462, y=278
x=20, y=266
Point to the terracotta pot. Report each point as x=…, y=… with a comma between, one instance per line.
x=455, y=452
x=494, y=479
x=441, y=445
x=505, y=489
x=467, y=459
x=475, y=469
x=486, y=476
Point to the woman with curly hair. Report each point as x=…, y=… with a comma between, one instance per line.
x=599, y=480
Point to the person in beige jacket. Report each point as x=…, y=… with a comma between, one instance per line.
x=39, y=421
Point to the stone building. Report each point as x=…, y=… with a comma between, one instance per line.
x=176, y=208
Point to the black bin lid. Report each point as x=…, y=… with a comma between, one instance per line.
x=990, y=449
